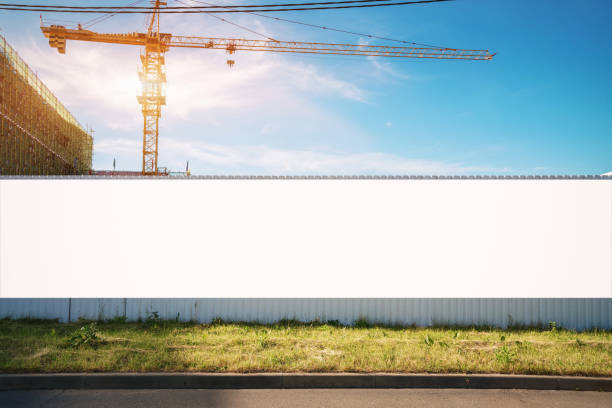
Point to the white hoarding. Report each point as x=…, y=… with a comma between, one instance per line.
x=305, y=238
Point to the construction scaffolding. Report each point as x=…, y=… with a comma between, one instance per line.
x=38, y=136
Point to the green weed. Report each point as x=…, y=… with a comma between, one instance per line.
x=503, y=355
x=85, y=336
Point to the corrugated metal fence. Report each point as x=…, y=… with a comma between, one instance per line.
x=570, y=313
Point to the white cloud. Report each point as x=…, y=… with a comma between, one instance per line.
x=388, y=124
x=261, y=159
x=89, y=80
x=382, y=69
x=200, y=81
x=117, y=146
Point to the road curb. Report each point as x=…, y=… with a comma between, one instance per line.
x=293, y=381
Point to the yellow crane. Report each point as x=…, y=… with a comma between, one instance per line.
x=156, y=44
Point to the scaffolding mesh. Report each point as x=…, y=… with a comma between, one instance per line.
x=38, y=135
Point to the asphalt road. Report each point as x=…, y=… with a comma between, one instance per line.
x=349, y=398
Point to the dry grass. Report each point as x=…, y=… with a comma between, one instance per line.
x=42, y=346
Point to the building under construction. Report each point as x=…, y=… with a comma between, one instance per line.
x=38, y=136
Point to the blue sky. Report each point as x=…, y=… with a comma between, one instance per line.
x=542, y=106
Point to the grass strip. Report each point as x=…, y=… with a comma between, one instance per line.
x=35, y=346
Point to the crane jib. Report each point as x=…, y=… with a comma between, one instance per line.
x=58, y=35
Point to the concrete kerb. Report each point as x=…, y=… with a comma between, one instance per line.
x=293, y=381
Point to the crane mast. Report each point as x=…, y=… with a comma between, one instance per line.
x=156, y=44
x=152, y=98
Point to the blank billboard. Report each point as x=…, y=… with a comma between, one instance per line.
x=354, y=238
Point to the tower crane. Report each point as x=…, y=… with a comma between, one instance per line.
x=156, y=44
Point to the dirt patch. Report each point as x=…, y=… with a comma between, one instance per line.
x=39, y=354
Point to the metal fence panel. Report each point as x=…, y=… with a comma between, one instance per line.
x=25, y=308
x=570, y=313
x=97, y=309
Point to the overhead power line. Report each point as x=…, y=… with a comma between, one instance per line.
x=191, y=10
x=100, y=19
x=234, y=24
x=132, y=7
x=325, y=27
